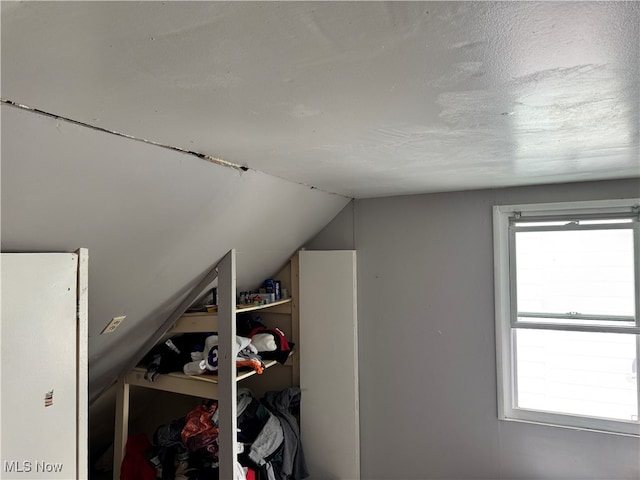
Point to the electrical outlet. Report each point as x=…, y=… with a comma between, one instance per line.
x=113, y=324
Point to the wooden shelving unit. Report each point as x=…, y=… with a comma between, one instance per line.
x=206, y=385
x=323, y=291
x=221, y=387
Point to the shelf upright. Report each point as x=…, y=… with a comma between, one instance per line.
x=227, y=436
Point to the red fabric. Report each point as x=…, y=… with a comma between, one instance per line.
x=134, y=464
x=251, y=475
x=200, y=432
x=198, y=421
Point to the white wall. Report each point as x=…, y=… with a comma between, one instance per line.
x=427, y=349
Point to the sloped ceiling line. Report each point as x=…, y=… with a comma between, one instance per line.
x=201, y=156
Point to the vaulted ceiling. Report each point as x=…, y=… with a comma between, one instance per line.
x=358, y=98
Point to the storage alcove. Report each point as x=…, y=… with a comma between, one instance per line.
x=319, y=316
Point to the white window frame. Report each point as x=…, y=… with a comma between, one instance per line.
x=505, y=324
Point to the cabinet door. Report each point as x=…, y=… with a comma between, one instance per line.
x=39, y=373
x=329, y=364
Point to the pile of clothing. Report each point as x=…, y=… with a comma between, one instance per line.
x=197, y=353
x=187, y=448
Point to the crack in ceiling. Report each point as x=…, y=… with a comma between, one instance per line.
x=199, y=155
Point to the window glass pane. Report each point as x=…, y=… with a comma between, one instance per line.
x=583, y=271
x=579, y=373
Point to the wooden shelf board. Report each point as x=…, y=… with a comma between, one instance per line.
x=250, y=308
x=208, y=321
x=205, y=386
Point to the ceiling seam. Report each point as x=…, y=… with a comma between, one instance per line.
x=201, y=156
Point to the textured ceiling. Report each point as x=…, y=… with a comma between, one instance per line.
x=358, y=98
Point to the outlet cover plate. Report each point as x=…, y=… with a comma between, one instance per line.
x=113, y=324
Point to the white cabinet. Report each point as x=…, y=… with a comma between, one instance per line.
x=330, y=426
x=44, y=365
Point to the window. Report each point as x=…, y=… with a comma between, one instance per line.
x=567, y=283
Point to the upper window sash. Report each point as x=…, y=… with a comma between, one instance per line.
x=575, y=321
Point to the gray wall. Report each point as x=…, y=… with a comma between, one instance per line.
x=154, y=221
x=428, y=407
